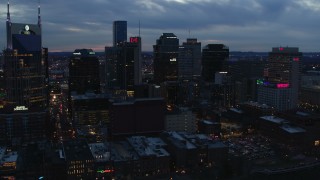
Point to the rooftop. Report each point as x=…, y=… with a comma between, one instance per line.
x=122, y=151
x=89, y=96
x=7, y=157
x=100, y=152
x=148, y=146
x=180, y=141
x=256, y=104
x=77, y=149
x=236, y=110
x=274, y=119
x=292, y=129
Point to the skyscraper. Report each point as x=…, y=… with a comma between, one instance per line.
x=165, y=58
x=281, y=85
x=124, y=65
x=84, y=72
x=189, y=59
x=25, y=65
x=214, y=57
x=119, y=32
x=26, y=76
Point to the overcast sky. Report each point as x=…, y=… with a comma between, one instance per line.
x=243, y=25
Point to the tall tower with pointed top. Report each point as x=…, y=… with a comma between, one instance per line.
x=8, y=26
x=24, y=64
x=26, y=77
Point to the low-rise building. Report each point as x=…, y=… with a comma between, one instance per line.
x=79, y=159
x=180, y=119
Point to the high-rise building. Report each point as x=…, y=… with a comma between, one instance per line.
x=119, y=32
x=282, y=78
x=214, y=57
x=165, y=62
x=124, y=66
x=129, y=64
x=25, y=66
x=189, y=59
x=26, y=79
x=112, y=56
x=84, y=72
x=245, y=74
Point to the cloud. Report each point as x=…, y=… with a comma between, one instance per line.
x=240, y=24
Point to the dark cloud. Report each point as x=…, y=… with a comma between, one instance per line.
x=247, y=25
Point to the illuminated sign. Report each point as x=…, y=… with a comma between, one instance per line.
x=259, y=81
x=20, y=108
x=296, y=59
x=134, y=39
x=90, y=53
x=105, y=171
x=281, y=48
x=78, y=53
x=280, y=86
x=173, y=59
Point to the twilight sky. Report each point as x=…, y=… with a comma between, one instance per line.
x=243, y=25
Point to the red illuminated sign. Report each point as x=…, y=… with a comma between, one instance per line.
x=279, y=86
x=281, y=48
x=296, y=59
x=105, y=171
x=134, y=39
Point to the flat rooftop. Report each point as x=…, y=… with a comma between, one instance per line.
x=100, y=152
x=274, y=119
x=256, y=104
x=292, y=129
x=180, y=141
x=236, y=110
x=7, y=157
x=77, y=149
x=148, y=146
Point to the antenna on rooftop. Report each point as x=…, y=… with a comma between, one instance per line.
x=39, y=17
x=139, y=27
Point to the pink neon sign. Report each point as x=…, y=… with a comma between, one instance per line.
x=281, y=48
x=282, y=85
x=296, y=59
x=134, y=39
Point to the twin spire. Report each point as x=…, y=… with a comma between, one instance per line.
x=8, y=13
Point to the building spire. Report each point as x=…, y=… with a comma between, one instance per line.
x=139, y=27
x=8, y=27
x=39, y=17
x=8, y=11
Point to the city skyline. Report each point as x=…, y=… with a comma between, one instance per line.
x=246, y=25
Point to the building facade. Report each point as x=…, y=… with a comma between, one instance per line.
x=214, y=57
x=165, y=62
x=25, y=72
x=84, y=72
x=282, y=79
x=119, y=32
x=189, y=60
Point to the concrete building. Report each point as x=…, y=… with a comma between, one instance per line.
x=119, y=32
x=165, y=61
x=282, y=79
x=79, y=159
x=190, y=151
x=180, y=119
x=214, y=57
x=153, y=158
x=282, y=130
x=189, y=60
x=84, y=72
x=139, y=116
